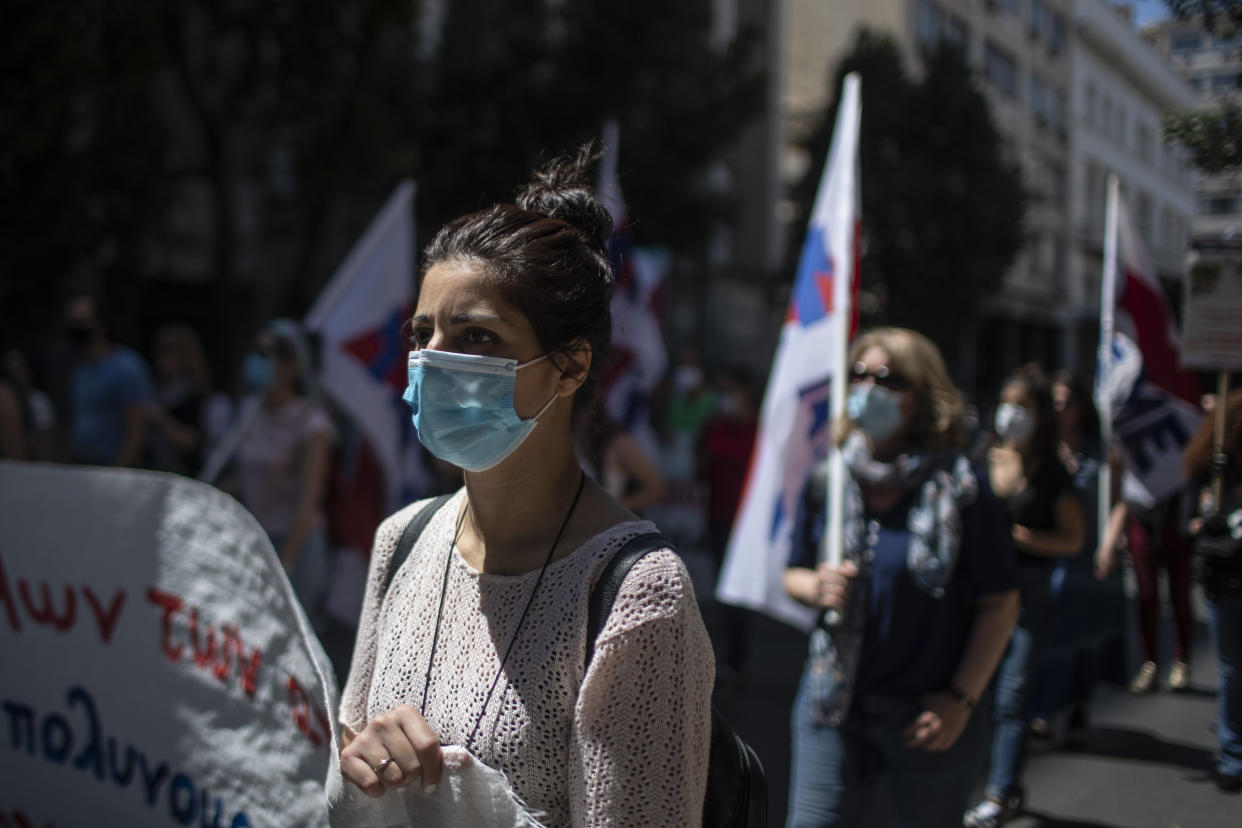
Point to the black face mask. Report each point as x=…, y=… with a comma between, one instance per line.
x=80, y=335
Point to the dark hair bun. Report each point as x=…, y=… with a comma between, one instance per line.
x=560, y=189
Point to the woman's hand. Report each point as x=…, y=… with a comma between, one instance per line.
x=1022, y=536
x=940, y=724
x=833, y=584
x=1105, y=560
x=825, y=587
x=401, y=735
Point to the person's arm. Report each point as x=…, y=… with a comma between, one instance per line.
x=651, y=673
x=183, y=437
x=814, y=587
x=315, y=458
x=12, y=446
x=130, y=454
x=134, y=393
x=639, y=470
x=1106, y=555
x=946, y=712
x=1065, y=541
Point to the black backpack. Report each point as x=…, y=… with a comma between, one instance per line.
x=737, y=790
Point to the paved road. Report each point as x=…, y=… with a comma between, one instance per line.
x=1146, y=764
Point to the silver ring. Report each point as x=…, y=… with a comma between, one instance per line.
x=382, y=765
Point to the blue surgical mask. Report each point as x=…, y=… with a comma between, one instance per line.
x=258, y=372
x=463, y=407
x=876, y=410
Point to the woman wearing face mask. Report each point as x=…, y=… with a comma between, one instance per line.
x=893, y=691
x=282, y=460
x=479, y=641
x=1048, y=523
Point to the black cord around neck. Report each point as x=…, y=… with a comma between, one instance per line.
x=435, y=637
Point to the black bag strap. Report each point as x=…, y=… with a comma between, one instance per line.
x=605, y=591
x=412, y=530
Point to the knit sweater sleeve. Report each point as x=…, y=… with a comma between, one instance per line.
x=353, y=713
x=642, y=723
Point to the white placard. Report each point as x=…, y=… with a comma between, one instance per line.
x=156, y=667
x=1212, y=315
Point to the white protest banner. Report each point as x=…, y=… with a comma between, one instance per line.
x=157, y=669
x=1212, y=314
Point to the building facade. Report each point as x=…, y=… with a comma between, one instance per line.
x=1035, y=59
x=1212, y=65
x=1120, y=90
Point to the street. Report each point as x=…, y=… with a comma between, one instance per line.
x=1146, y=764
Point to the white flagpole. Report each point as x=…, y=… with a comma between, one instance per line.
x=1108, y=303
x=844, y=156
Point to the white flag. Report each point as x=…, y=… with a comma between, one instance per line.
x=359, y=317
x=795, y=421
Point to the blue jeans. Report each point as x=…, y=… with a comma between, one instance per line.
x=1015, y=679
x=1227, y=623
x=835, y=770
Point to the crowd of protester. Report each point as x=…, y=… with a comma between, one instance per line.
x=1017, y=654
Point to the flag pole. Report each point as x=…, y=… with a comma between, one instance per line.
x=1218, y=439
x=1108, y=302
x=842, y=247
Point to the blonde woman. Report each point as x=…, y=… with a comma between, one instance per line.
x=893, y=693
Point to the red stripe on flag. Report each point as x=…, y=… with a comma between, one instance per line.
x=1152, y=326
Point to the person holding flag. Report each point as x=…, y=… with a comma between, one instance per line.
x=925, y=599
x=1149, y=407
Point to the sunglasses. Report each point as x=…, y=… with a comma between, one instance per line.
x=881, y=376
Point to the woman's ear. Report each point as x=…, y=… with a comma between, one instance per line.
x=574, y=363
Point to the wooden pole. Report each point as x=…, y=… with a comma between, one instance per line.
x=1218, y=437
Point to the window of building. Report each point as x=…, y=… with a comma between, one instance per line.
x=954, y=31
x=1001, y=69
x=1036, y=99
x=1056, y=182
x=927, y=23
x=1088, y=103
x=1106, y=115
x=1011, y=6
x=935, y=26
x=1227, y=43
x=1143, y=214
x=1055, y=33
x=1225, y=82
x=1220, y=205
x=1055, y=101
x=1186, y=42
x=1093, y=197
x=1119, y=131
x=1035, y=18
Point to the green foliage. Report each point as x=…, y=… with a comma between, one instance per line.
x=80, y=149
x=941, y=208
x=287, y=124
x=1217, y=15
x=1213, y=136
x=515, y=82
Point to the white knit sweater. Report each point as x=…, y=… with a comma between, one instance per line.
x=626, y=744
